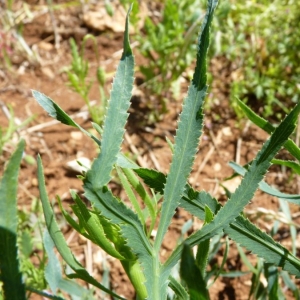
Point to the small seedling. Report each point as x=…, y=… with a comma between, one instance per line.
x=79, y=82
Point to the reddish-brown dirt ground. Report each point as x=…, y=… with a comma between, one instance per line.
x=224, y=138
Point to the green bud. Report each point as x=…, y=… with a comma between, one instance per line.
x=109, y=9
x=101, y=76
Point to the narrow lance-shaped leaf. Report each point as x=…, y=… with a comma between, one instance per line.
x=134, y=181
x=58, y=113
x=245, y=233
x=55, y=111
x=288, y=163
x=116, y=117
x=269, y=128
x=245, y=191
x=178, y=289
x=10, y=275
x=203, y=247
x=248, y=235
x=59, y=239
x=131, y=196
x=53, y=269
x=266, y=187
x=53, y=274
x=192, y=276
x=188, y=132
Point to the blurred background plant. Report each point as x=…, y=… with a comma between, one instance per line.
x=7, y=134
x=261, y=39
x=168, y=45
x=32, y=257
x=81, y=84
x=13, y=47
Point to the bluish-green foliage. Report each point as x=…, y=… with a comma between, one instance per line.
x=125, y=233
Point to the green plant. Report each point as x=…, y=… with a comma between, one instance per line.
x=6, y=134
x=264, y=60
x=79, y=82
x=124, y=232
x=11, y=39
x=30, y=244
x=169, y=47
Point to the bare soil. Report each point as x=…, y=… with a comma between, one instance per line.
x=224, y=139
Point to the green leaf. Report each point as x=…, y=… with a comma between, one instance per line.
x=266, y=187
x=139, y=188
x=257, y=287
x=115, y=120
x=260, y=243
x=130, y=227
x=57, y=113
x=288, y=163
x=269, y=128
x=245, y=233
x=59, y=239
x=203, y=247
x=94, y=229
x=53, y=274
x=271, y=273
x=154, y=179
x=192, y=276
x=125, y=162
x=197, y=204
x=70, y=220
x=188, y=132
x=245, y=192
x=178, y=289
x=53, y=268
x=13, y=287
x=223, y=261
x=131, y=196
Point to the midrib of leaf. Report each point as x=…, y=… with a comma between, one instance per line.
x=245, y=191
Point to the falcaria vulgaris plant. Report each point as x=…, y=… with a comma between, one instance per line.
x=125, y=233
